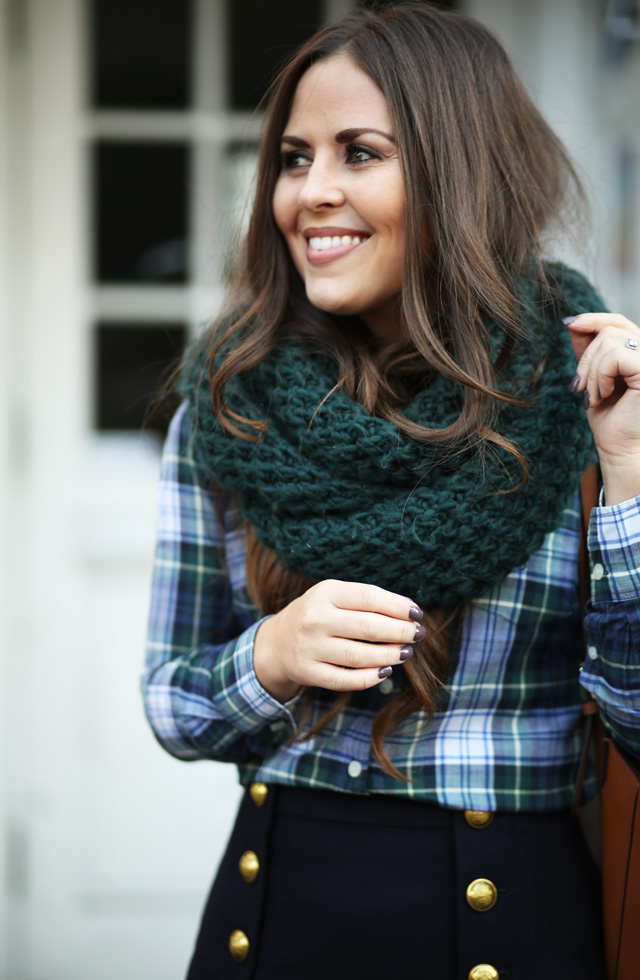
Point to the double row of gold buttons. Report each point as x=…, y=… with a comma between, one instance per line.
x=249, y=867
x=481, y=893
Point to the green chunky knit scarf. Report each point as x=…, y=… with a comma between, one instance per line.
x=338, y=493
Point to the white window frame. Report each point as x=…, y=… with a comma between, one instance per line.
x=207, y=128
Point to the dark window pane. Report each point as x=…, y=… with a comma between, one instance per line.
x=140, y=54
x=141, y=205
x=261, y=36
x=131, y=363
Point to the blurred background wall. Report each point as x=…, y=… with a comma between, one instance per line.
x=126, y=151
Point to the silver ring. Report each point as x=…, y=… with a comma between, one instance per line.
x=632, y=343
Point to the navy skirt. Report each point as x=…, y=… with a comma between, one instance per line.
x=317, y=885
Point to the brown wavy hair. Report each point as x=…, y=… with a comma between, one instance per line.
x=485, y=174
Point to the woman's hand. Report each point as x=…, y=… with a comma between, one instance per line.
x=608, y=373
x=343, y=636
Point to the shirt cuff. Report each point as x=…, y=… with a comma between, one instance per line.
x=614, y=551
x=243, y=701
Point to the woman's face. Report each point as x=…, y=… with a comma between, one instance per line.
x=339, y=200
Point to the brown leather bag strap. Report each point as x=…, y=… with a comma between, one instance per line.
x=589, y=499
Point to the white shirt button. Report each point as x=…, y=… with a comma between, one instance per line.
x=597, y=572
x=386, y=687
x=354, y=768
x=592, y=653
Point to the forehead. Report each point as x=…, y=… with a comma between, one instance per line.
x=338, y=93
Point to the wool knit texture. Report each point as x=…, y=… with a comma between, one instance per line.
x=338, y=493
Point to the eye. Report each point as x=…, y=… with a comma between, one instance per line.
x=360, y=154
x=293, y=160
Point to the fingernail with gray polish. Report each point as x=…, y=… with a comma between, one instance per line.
x=406, y=652
x=416, y=614
x=575, y=384
x=568, y=320
x=586, y=400
x=385, y=672
x=419, y=634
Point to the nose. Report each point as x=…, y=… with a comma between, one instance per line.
x=321, y=187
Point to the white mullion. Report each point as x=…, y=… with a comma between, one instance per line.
x=332, y=9
x=205, y=253
x=54, y=318
x=7, y=491
x=208, y=67
x=210, y=55
x=138, y=303
x=138, y=125
x=209, y=100
x=16, y=655
x=218, y=127
x=150, y=305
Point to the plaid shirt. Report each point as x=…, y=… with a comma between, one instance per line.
x=507, y=730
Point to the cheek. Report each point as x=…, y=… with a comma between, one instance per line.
x=399, y=218
x=397, y=226
x=392, y=219
x=396, y=220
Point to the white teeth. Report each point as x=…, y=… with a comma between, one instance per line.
x=320, y=244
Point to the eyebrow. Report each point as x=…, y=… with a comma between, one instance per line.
x=344, y=136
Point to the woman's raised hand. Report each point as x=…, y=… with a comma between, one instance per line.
x=342, y=636
x=608, y=349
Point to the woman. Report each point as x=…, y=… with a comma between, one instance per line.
x=366, y=587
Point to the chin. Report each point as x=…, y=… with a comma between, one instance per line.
x=334, y=304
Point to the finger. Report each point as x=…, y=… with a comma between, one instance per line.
x=585, y=327
x=375, y=628
x=358, y=656
x=370, y=598
x=617, y=362
x=333, y=678
x=580, y=341
x=609, y=338
x=595, y=322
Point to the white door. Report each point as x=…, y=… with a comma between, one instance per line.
x=112, y=843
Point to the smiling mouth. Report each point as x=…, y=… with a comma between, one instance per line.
x=335, y=241
x=327, y=248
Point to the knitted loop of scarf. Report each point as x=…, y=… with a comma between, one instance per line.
x=338, y=493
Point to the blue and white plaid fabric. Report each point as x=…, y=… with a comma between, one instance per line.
x=507, y=729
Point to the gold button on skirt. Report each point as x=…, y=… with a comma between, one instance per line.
x=482, y=894
x=484, y=971
x=239, y=945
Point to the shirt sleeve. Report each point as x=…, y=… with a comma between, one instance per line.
x=611, y=671
x=201, y=693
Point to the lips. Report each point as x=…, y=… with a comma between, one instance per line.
x=327, y=244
